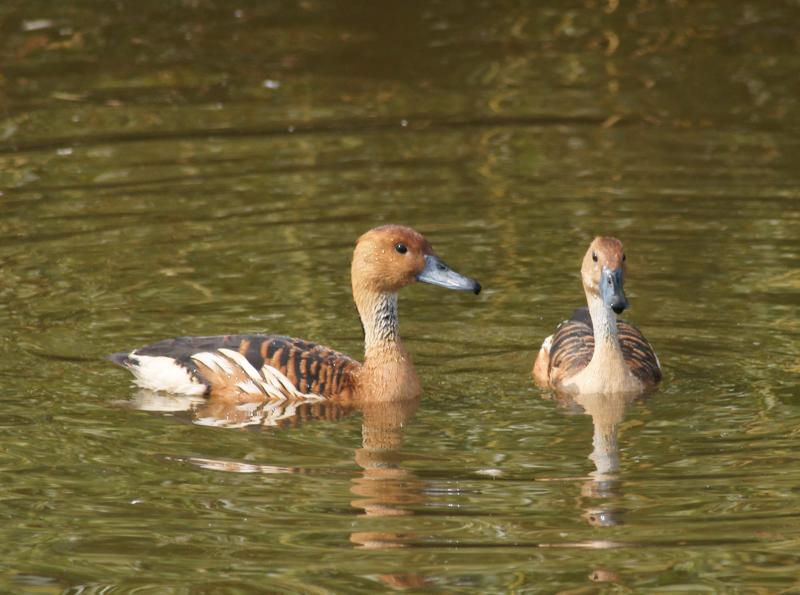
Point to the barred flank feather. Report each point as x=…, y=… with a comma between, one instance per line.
x=266, y=366
x=571, y=350
x=573, y=346
x=639, y=355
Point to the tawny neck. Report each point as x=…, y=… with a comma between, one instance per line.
x=378, y=312
x=387, y=373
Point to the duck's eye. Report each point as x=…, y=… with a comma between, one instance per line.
x=594, y=256
x=401, y=248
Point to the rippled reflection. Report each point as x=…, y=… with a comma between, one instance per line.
x=383, y=489
x=601, y=496
x=226, y=413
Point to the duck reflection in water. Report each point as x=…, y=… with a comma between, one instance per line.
x=601, y=494
x=227, y=413
x=382, y=488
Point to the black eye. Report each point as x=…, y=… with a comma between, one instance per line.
x=401, y=248
x=594, y=256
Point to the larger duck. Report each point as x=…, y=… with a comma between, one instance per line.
x=261, y=367
x=594, y=352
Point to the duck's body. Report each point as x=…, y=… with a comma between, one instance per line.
x=261, y=367
x=271, y=366
x=567, y=354
x=593, y=352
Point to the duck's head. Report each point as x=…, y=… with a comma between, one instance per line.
x=603, y=272
x=390, y=257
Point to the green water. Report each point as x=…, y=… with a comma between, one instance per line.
x=198, y=167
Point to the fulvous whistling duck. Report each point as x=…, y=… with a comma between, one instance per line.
x=593, y=352
x=264, y=367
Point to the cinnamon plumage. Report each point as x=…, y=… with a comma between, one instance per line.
x=262, y=367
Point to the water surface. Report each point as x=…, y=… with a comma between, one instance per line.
x=205, y=167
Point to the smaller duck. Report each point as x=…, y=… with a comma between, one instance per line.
x=593, y=352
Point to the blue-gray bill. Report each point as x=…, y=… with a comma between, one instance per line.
x=438, y=273
x=611, y=290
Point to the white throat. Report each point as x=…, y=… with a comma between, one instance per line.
x=607, y=356
x=606, y=342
